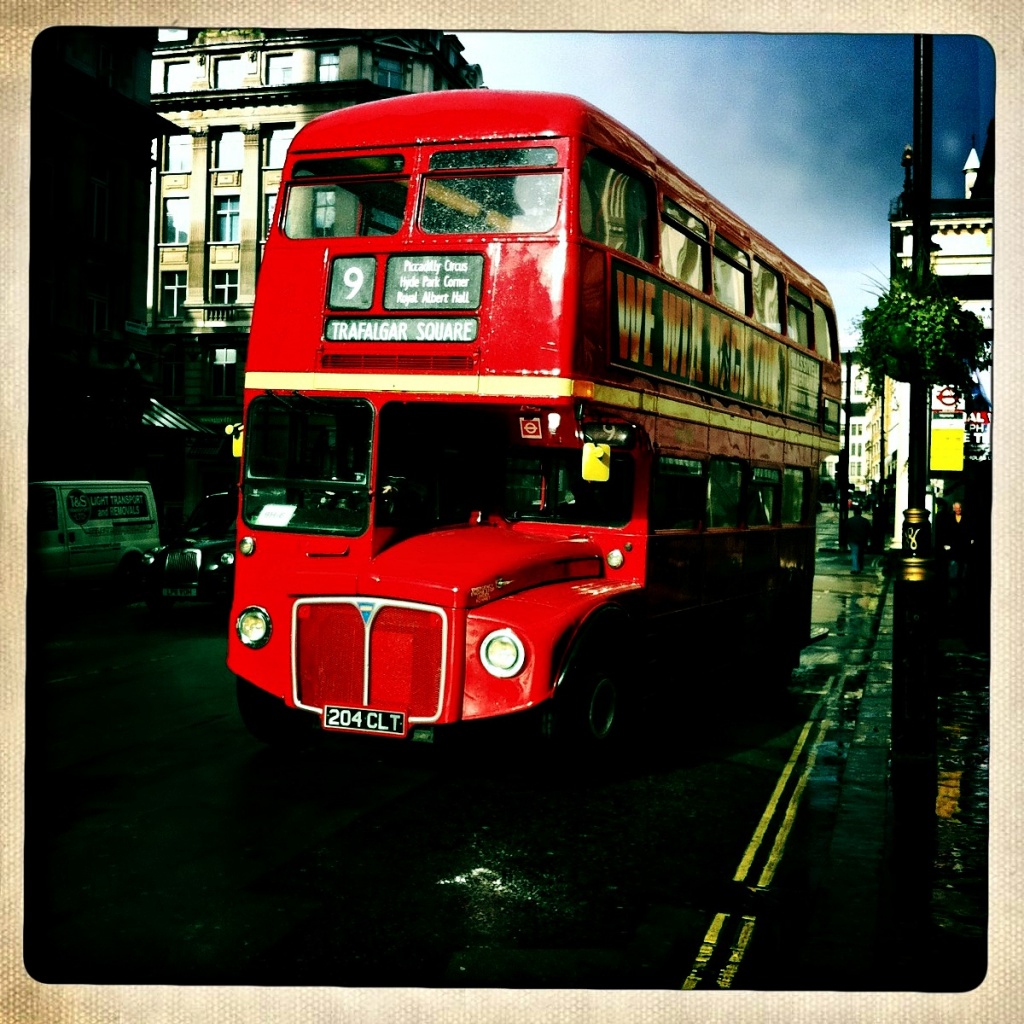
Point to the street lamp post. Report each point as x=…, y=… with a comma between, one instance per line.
x=913, y=695
x=844, y=459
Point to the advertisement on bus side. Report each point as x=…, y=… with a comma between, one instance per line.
x=663, y=332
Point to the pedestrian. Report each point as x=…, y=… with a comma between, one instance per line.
x=956, y=538
x=858, y=530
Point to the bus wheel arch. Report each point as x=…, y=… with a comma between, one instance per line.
x=269, y=719
x=590, y=700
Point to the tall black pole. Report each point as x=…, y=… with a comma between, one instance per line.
x=914, y=720
x=844, y=461
x=922, y=234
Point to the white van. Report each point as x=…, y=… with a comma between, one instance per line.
x=88, y=530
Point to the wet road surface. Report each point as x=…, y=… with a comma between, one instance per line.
x=165, y=846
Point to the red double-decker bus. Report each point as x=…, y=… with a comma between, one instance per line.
x=531, y=422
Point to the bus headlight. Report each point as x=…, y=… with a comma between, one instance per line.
x=253, y=627
x=502, y=653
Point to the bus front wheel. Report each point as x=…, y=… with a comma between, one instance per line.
x=268, y=718
x=587, y=712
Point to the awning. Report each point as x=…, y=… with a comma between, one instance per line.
x=159, y=415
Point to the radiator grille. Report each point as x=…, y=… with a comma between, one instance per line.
x=406, y=654
x=400, y=668
x=329, y=655
x=182, y=566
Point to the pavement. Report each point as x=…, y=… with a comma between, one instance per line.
x=902, y=902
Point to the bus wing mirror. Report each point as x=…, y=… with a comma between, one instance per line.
x=597, y=460
x=235, y=431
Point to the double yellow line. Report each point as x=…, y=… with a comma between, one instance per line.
x=817, y=725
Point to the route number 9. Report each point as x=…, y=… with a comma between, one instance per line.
x=352, y=282
x=354, y=279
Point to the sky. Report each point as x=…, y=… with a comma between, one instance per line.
x=801, y=135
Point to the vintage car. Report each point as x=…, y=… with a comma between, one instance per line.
x=199, y=564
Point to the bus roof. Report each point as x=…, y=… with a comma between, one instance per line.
x=466, y=115
x=460, y=115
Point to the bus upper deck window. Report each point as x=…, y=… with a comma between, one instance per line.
x=501, y=203
x=823, y=333
x=506, y=156
x=731, y=272
x=615, y=207
x=798, y=317
x=683, y=245
x=766, y=296
x=366, y=205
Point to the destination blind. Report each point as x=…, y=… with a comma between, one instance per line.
x=462, y=328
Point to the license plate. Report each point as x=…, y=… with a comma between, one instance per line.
x=365, y=720
x=179, y=591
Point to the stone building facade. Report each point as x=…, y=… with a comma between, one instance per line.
x=240, y=95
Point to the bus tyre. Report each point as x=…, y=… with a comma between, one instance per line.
x=268, y=718
x=588, y=712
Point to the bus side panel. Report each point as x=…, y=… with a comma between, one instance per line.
x=675, y=572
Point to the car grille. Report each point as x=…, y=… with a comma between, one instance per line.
x=362, y=653
x=182, y=566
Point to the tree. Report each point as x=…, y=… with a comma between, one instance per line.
x=915, y=333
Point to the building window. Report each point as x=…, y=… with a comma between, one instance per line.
x=179, y=153
x=100, y=204
x=269, y=208
x=228, y=150
x=390, y=73
x=277, y=145
x=178, y=76
x=328, y=67
x=98, y=312
x=225, y=219
x=175, y=221
x=172, y=292
x=172, y=371
x=225, y=287
x=280, y=69
x=224, y=362
x=229, y=73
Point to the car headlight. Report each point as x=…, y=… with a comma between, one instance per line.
x=502, y=653
x=148, y=557
x=228, y=558
x=253, y=627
